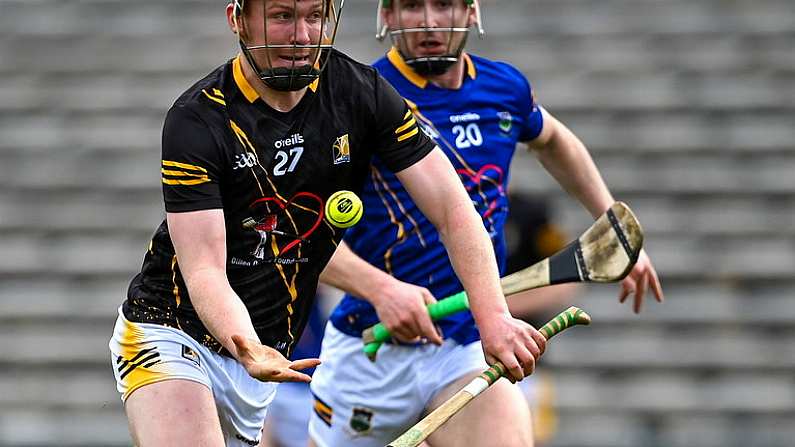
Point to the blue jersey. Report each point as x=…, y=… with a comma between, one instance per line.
x=478, y=127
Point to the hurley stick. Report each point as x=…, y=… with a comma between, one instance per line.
x=605, y=252
x=422, y=429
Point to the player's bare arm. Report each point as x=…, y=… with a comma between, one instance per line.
x=400, y=306
x=566, y=158
x=199, y=239
x=437, y=190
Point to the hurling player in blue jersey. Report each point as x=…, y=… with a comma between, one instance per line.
x=393, y=262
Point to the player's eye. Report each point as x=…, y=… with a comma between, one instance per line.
x=315, y=17
x=282, y=16
x=410, y=5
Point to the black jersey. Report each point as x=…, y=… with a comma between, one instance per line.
x=271, y=173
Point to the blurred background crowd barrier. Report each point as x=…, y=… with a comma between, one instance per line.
x=688, y=106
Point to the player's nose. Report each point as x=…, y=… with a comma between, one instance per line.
x=430, y=18
x=302, y=34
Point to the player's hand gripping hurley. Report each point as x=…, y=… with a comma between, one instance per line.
x=605, y=252
x=422, y=429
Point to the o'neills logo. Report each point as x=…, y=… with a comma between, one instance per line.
x=463, y=118
x=341, y=150
x=294, y=139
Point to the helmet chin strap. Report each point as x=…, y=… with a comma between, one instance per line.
x=429, y=67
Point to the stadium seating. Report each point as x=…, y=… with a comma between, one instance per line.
x=687, y=106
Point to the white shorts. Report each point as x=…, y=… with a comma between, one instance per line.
x=148, y=353
x=288, y=415
x=359, y=403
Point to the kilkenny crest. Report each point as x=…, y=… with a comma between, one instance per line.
x=342, y=150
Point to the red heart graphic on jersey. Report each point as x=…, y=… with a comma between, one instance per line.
x=477, y=179
x=291, y=201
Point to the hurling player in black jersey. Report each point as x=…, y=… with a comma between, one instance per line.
x=250, y=154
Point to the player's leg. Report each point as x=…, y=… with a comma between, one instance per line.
x=178, y=392
x=358, y=403
x=498, y=417
x=174, y=413
x=166, y=393
x=475, y=424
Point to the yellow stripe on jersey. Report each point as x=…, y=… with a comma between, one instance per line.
x=197, y=175
x=408, y=112
x=408, y=135
x=183, y=174
x=409, y=127
x=185, y=182
x=213, y=98
x=176, y=164
x=411, y=122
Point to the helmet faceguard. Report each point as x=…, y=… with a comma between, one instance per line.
x=456, y=30
x=290, y=65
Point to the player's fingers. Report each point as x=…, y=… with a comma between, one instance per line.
x=404, y=328
x=402, y=331
x=404, y=335
x=529, y=344
x=513, y=366
x=656, y=287
x=268, y=372
x=490, y=359
x=410, y=322
x=627, y=286
x=428, y=330
x=298, y=365
x=428, y=297
x=288, y=375
x=640, y=293
x=541, y=342
x=527, y=360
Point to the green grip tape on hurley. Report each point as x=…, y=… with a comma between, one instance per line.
x=374, y=337
x=448, y=306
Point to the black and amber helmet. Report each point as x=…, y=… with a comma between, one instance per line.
x=296, y=76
